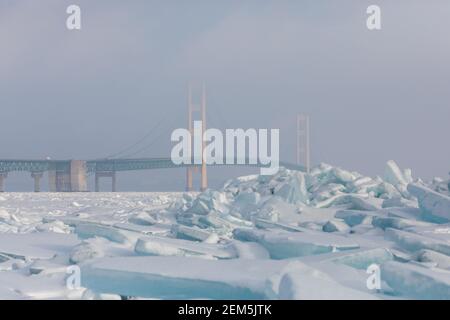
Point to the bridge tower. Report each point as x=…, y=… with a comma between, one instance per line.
x=201, y=108
x=303, y=142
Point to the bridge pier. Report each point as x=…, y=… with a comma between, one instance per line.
x=52, y=180
x=59, y=181
x=68, y=177
x=78, y=174
x=105, y=174
x=37, y=176
x=63, y=182
x=3, y=176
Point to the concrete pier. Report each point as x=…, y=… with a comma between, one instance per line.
x=3, y=176
x=70, y=177
x=52, y=180
x=37, y=176
x=105, y=174
x=63, y=182
x=78, y=173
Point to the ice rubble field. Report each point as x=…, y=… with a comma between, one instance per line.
x=288, y=236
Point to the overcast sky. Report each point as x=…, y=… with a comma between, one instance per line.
x=372, y=95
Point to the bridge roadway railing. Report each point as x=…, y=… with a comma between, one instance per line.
x=33, y=165
x=103, y=165
x=70, y=175
x=163, y=163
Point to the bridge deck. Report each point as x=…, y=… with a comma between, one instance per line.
x=9, y=165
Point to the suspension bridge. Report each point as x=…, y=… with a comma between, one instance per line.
x=71, y=175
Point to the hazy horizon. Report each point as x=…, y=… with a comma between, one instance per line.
x=372, y=95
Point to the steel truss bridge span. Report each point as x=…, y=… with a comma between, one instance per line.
x=70, y=175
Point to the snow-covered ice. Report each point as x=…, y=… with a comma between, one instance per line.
x=293, y=235
x=434, y=205
x=180, y=277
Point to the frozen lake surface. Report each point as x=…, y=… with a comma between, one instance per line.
x=329, y=234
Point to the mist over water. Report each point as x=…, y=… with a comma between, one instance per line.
x=371, y=96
